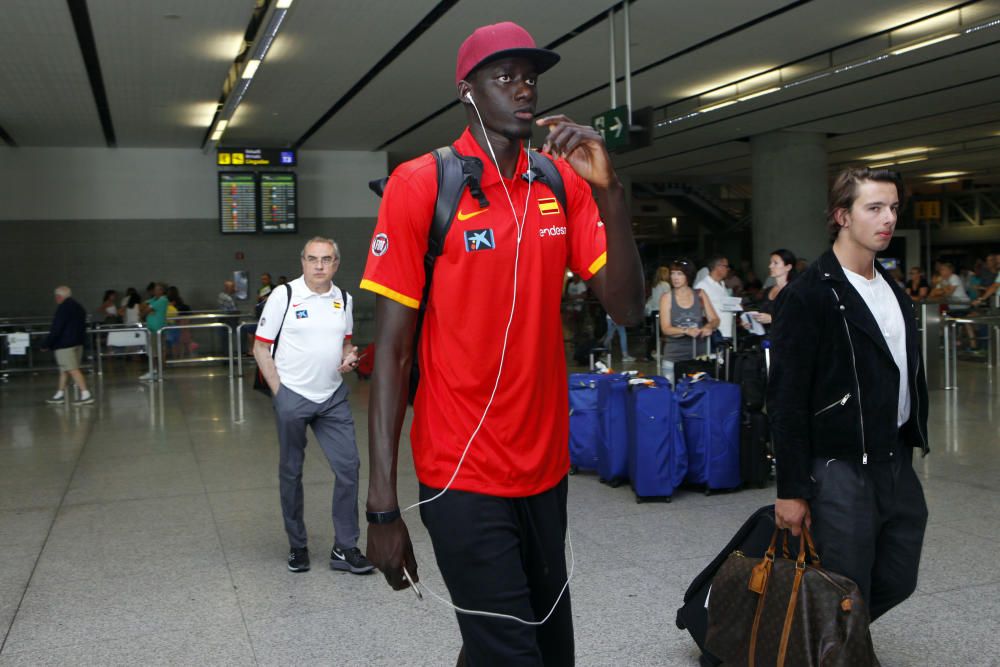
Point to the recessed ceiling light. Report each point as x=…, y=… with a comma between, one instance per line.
x=945, y=174
x=283, y=4
x=759, y=93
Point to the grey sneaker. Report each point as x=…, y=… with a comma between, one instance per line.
x=85, y=401
x=298, y=559
x=53, y=400
x=350, y=560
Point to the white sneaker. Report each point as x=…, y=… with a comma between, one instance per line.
x=85, y=399
x=147, y=377
x=628, y=359
x=57, y=398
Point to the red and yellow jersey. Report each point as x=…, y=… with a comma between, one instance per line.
x=521, y=448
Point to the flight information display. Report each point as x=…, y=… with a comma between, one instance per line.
x=278, y=202
x=237, y=203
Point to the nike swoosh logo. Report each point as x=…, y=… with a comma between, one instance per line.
x=296, y=305
x=465, y=216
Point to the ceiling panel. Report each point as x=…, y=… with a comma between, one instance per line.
x=322, y=50
x=164, y=64
x=45, y=97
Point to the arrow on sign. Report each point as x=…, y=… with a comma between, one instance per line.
x=617, y=127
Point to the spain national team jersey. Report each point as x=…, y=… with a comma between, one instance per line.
x=522, y=447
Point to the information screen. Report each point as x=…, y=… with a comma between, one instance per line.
x=237, y=203
x=278, y=207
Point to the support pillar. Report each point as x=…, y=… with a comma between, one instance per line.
x=789, y=195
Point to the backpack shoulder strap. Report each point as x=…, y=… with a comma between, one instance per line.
x=274, y=346
x=454, y=172
x=544, y=170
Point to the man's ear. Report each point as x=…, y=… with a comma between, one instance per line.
x=464, y=91
x=841, y=217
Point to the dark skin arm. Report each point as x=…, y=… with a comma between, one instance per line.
x=619, y=285
x=389, y=546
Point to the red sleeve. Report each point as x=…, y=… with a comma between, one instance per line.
x=587, y=242
x=395, y=267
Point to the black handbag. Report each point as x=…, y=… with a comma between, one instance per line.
x=259, y=383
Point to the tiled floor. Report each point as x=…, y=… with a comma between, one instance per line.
x=146, y=530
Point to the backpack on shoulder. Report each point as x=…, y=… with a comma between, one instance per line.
x=455, y=173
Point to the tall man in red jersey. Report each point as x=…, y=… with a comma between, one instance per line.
x=490, y=425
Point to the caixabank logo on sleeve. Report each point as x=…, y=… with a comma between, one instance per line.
x=479, y=239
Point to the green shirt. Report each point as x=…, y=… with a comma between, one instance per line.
x=157, y=318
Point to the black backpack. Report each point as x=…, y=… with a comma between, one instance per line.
x=455, y=172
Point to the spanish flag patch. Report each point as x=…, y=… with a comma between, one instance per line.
x=548, y=206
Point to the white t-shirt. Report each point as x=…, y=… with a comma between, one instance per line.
x=311, y=347
x=716, y=291
x=959, y=296
x=885, y=309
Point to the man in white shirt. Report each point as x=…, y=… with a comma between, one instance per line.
x=715, y=288
x=310, y=323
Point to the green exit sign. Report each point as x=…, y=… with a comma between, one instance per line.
x=614, y=127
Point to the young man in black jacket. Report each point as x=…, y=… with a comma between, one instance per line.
x=848, y=399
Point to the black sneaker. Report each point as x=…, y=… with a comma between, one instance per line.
x=351, y=560
x=298, y=559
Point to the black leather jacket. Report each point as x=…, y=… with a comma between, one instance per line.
x=833, y=385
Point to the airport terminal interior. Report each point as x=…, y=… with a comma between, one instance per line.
x=201, y=143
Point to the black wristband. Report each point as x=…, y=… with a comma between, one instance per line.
x=382, y=517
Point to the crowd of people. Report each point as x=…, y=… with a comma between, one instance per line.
x=683, y=320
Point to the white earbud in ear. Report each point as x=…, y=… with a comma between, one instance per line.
x=468, y=95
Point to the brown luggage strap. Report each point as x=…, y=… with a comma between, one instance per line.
x=760, y=577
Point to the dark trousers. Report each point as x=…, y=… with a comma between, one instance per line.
x=505, y=555
x=868, y=522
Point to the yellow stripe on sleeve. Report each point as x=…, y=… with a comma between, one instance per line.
x=389, y=293
x=598, y=264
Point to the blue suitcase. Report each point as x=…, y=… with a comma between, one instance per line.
x=710, y=417
x=612, y=451
x=586, y=421
x=657, y=457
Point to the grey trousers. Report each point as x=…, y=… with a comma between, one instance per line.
x=333, y=427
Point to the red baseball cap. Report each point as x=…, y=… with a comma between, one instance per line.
x=500, y=40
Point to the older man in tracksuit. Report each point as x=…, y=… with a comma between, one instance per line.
x=848, y=400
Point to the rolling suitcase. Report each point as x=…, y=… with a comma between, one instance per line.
x=657, y=457
x=747, y=369
x=690, y=367
x=710, y=416
x=612, y=450
x=586, y=421
x=752, y=539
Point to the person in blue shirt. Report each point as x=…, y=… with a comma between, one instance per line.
x=66, y=336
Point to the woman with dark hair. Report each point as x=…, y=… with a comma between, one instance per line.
x=685, y=313
x=782, y=269
x=109, y=308
x=129, y=310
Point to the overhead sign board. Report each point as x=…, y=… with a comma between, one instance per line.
x=613, y=126
x=256, y=157
x=619, y=135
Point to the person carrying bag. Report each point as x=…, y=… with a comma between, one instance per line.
x=787, y=611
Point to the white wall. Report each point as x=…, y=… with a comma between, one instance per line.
x=166, y=183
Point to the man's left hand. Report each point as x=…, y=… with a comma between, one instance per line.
x=582, y=146
x=350, y=361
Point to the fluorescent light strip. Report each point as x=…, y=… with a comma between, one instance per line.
x=946, y=174
x=250, y=69
x=283, y=4
x=759, y=93
x=891, y=163
x=713, y=107
x=902, y=152
x=920, y=45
